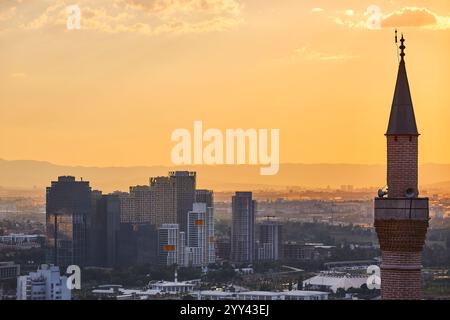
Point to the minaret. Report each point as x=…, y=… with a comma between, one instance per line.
x=401, y=218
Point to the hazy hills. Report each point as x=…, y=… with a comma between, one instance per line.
x=28, y=174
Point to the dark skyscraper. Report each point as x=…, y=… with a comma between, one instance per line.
x=242, y=227
x=185, y=183
x=270, y=241
x=401, y=219
x=104, y=231
x=68, y=208
x=205, y=196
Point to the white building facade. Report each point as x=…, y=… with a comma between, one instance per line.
x=44, y=284
x=197, y=232
x=169, y=241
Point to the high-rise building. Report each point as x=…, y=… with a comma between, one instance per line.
x=104, y=231
x=182, y=251
x=185, y=183
x=146, y=244
x=45, y=284
x=68, y=208
x=223, y=247
x=127, y=207
x=141, y=195
x=401, y=218
x=197, y=233
x=242, y=227
x=270, y=241
x=135, y=207
x=9, y=270
x=93, y=237
x=163, y=201
x=172, y=198
x=207, y=197
x=170, y=245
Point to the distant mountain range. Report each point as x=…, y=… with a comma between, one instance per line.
x=38, y=174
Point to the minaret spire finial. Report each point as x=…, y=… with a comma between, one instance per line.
x=402, y=48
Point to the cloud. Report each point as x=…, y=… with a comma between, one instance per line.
x=8, y=13
x=415, y=17
x=149, y=17
x=19, y=75
x=50, y=16
x=349, y=12
x=170, y=6
x=307, y=53
x=348, y=18
x=406, y=17
x=187, y=16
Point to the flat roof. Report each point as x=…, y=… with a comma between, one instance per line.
x=261, y=293
x=216, y=293
x=172, y=284
x=304, y=293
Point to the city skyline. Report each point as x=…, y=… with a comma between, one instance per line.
x=183, y=150
x=231, y=57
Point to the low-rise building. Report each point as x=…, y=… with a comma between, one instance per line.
x=44, y=284
x=283, y=295
x=305, y=295
x=215, y=295
x=259, y=295
x=119, y=293
x=21, y=241
x=332, y=281
x=173, y=287
x=9, y=270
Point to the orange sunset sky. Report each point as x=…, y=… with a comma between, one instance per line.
x=111, y=93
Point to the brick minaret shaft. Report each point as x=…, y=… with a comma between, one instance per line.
x=401, y=219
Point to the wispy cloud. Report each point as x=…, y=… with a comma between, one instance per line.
x=349, y=12
x=405, y=17
x=307, y=53
x=348, y=18
x=317, y=10
x=7, y=13
x=174, y=6
x=150, y=17
x=19, y=75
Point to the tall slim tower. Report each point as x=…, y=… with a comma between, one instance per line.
x=185, y=183
x=243, y=227
x=401, y=218
x=197, y=235
x=207, y=197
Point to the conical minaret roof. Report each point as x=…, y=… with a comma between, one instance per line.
x=402, y=120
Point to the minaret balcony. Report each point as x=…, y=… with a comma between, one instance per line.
x=401, y=209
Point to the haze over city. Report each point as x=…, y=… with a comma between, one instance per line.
x=255, y=153
x=111, y=93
